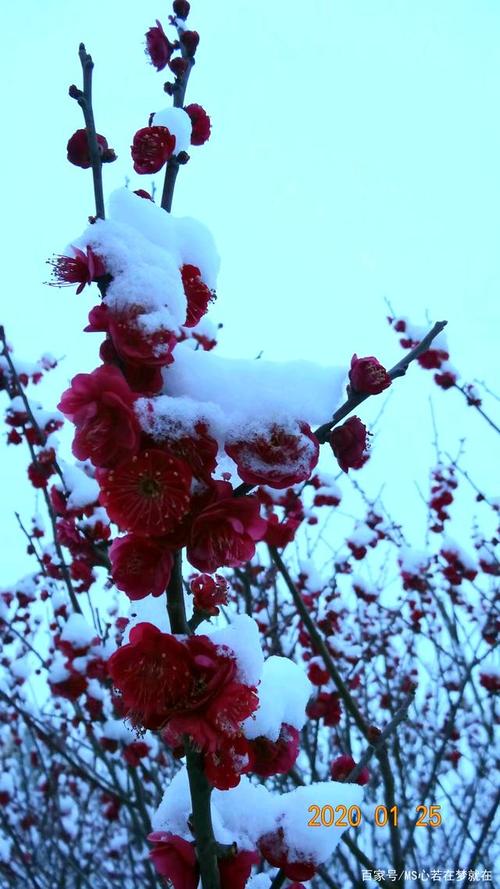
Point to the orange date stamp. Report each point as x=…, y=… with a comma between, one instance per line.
x=351, y=816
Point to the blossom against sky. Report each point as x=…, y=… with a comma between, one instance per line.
x=353, y=157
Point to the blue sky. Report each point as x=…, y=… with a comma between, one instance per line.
x=354, y=157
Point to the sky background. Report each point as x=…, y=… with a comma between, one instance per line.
x=354, y=158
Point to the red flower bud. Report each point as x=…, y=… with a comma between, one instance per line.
x=348, y=443
x=367, y=375
x=78, y=149
x=151, y=149
x=200, y=123
x=181, y=8
x=178, y=66
x=343, y=766
x=190, y=41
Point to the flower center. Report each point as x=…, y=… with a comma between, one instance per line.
x=150, y=487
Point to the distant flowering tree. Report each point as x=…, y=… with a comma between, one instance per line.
x=306, y=732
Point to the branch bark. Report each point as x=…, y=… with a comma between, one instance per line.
x=399, y=370
x=84, y=99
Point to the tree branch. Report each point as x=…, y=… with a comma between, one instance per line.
x=374, y=749
x=399, y=370
x=84, y=100
x=173, y=163
x=320, y=645
x=206, y=848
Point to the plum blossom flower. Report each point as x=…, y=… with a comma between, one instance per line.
x=81, y=268
x=368, y=376
x=188, y=685
x=208, y=592
x=274, y=757
x=198, y=295
x=225, y=533
x=141, y=566
x=274, y=849
x=278, y=458
x=200, y=123
x=79, y=152
x=151, y=149
x=348, y=443
x=148, y=494
x=343, y=766
x=100, y=404
x=158, y=47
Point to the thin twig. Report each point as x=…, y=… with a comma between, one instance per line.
x=84, y=99
x=320, y=645
x=173, y=163
x=399, y=370
x=373, y=749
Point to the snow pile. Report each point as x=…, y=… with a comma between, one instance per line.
x=413, y=561
x=172, y=418
x=83, y=490
x=318, y=843
x=261, y=391
x=178, y=122
x=247, y=812
x=185, y=239
x=283, y=695
x=242, y=637
x=78, y=632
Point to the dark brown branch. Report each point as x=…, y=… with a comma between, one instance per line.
x=477, y=407
x=84, y=99
x=356, y=398
x=484, y=832
x=399, y=370
x=363, y=859
x=206, y=847
x=390, y=802
x=175, y=598
x=373, y=749
x=173, y=163
x=319, y=645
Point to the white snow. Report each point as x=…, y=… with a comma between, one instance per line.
x=248, y=811
x=83, y=490
x=164, y=417
x=283, y=695
x=257, y=390
x=77, y=631
x=186, y=239
x=151, y=610
x=242, y=636
x=178, y=123
x=318, y=843
x=259, y=881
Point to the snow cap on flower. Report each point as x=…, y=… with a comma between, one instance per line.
x=178, y=123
